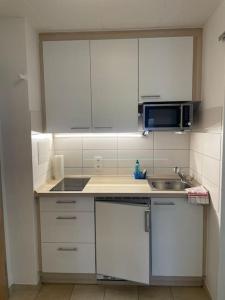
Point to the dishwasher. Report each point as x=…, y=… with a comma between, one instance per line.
x=123, y=238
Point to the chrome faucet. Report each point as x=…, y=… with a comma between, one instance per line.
x=181, y=175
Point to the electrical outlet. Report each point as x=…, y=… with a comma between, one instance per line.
x=98, y=162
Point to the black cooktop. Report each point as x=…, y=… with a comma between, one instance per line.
x=70, y=184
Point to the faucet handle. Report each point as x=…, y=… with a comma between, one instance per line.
x=176, y=170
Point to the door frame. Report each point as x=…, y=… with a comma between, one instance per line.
x=4, y=292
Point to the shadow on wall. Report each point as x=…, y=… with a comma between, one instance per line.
x=208, y=119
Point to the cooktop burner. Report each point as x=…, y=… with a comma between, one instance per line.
x=70, y=184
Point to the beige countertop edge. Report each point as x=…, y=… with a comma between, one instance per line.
x=125, y=194
x=99, y=186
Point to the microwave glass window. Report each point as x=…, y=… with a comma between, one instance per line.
x=164, y=117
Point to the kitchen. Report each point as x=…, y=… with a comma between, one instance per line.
x=90, y=103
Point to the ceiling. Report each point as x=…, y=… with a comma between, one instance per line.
x=61, y=15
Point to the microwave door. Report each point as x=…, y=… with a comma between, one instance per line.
x=162, y=117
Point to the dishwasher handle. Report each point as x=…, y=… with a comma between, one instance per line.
x=147, y=220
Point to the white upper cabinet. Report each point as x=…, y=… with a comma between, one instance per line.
x=166, y=68
x=114, y=83
x=67, y=86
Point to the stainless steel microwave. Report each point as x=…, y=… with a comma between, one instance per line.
x=167, y=116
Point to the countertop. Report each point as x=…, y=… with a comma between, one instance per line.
x=111, y=186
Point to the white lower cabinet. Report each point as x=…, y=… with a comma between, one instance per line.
x=122, y=240
x=67, y=234
x=177, y=238
x=67, y=227
x=68, y=258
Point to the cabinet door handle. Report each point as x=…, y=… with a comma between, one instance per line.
x=164, y=203
x=103, y=127
x=66, y=202
x=67, y=249
x=72, y=128
x=150, y=97
x=147, y=221
x=66, y=218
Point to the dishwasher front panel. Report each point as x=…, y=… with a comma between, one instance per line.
x=122, y=240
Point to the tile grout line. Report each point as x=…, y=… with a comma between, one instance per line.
x=104, y=292
x=73, y=289
x=171, y=293
x=138, y=289
x=38, y=293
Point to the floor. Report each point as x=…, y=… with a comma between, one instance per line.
x=94, y=292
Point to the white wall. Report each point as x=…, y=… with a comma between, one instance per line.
x=5, y=213
x=159, y=153
x=206, y=154
x=17, y=156
x=33, y=75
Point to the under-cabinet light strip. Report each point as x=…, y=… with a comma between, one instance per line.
x=98, y=135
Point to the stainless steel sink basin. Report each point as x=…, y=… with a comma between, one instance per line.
x=168, y=185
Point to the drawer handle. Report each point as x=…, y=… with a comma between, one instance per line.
x=66, y=218
x=164, y=203
x=103, y=127
x=66, y=249
x=66, y=202
x=87, y=127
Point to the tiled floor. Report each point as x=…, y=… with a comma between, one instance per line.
x=99, y=292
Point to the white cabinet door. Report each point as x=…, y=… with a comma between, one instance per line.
x=122, y=243
x=177, y=238
x=114, y=83
x=166, y=68
x=67, y=86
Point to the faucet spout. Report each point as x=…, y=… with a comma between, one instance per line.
x=181, y=175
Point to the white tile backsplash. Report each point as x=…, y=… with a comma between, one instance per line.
x=127, y=158
x=100, y=172
x=211, y=169
x=171, y=140
x=73, y=171
x=67, y=143
x=205, y=162
x=42, y=151
x=99, y=143
x=72, y=158
x=196, y=161
x=169, y=171
x=158, y=152
x=212, y=145
x=207, y=143
x=136, y=143
x=171, y=158
x=108, y=158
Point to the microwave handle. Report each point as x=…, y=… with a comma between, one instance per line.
x=181, y=117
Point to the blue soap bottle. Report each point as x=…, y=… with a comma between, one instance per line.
x=137, y=170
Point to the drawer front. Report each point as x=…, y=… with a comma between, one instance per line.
x=66, y=227
x=66, y=203
x=68, y=258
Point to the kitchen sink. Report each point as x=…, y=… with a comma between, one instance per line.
x=169, y=185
